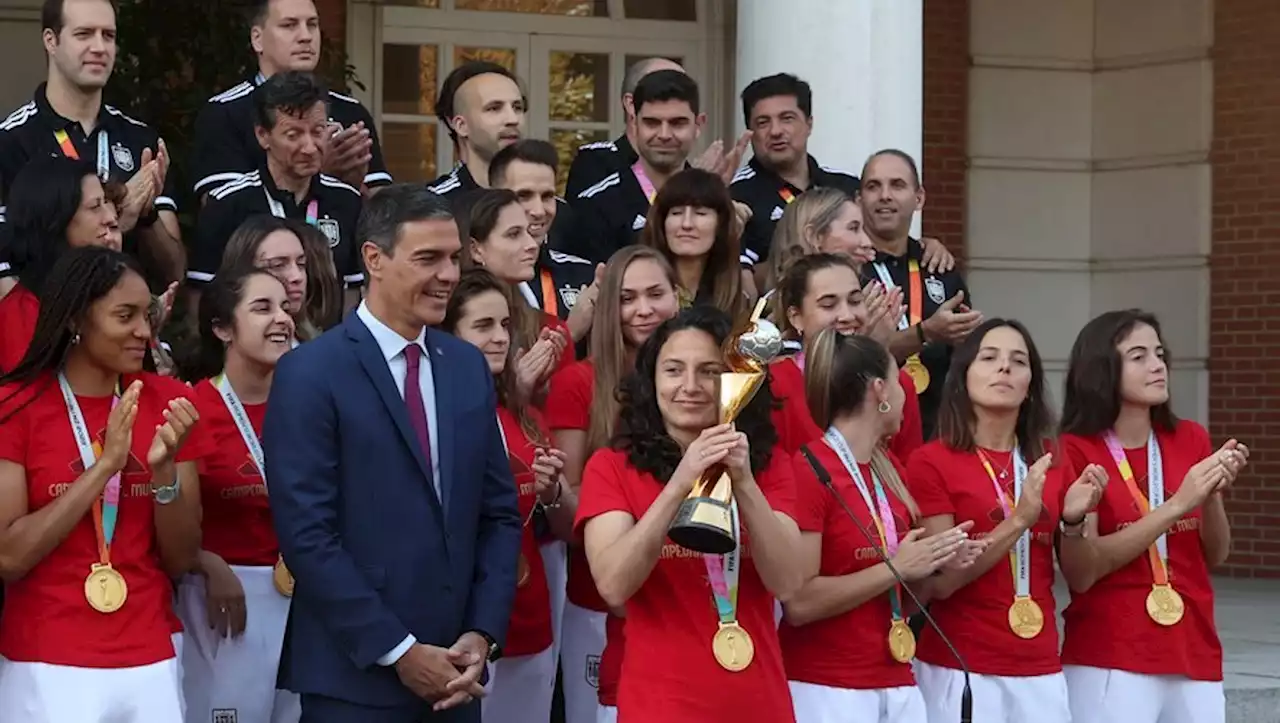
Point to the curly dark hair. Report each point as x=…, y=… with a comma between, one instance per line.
x=641, y=431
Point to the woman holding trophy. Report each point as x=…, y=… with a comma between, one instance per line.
x=705, y=645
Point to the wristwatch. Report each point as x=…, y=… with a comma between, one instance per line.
x=166, y=494
x=494, y=651
x=1072, y=529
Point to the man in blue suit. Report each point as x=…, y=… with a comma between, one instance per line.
x=391, y=491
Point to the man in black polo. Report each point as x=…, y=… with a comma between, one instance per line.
x=285, y=35
x=291, y=123
x=597, y=160
x=563, y=285
x=938, y=304
x=67, y=117
x=484, y=109
x=778, y=110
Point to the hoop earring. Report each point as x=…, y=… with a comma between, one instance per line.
x=884, y=407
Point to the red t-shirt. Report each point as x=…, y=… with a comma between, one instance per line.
x=237, y=514
x=911, y=434
x=18, y=311
x=671, y=674
x=945, y=481
x=530, y=629
x=1107, y=626
x=851, y=650
x=46, y=618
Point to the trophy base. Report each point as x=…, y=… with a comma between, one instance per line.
x=704, y=525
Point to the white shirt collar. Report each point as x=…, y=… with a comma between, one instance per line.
x=389, y=342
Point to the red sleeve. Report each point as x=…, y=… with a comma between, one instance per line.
x=167, y=389
x=778, y=483
x=604, y=482
x=13, y=431
x=568, y=405
x=1068, y=468
x=928, y=484
x=1198, y=438
x=911, y=435
x=811, y=496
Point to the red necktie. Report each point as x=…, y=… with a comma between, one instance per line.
x=417, y=410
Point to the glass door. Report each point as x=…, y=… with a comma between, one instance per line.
x=411, y=66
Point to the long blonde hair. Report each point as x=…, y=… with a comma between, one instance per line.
x=609, y=354
x=804, y=223
x=838, y=372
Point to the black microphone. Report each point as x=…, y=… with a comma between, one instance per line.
x=966, y=696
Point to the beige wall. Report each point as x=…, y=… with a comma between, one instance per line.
x=1090, y=128
x=21, y=54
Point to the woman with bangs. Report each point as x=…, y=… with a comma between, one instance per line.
x=637, y=294
x=1141, y=644
x=992, y=465
x=522, y=682
x=704, y=639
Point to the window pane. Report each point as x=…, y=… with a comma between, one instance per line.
x=567, y=142
x=410, y=150
x=410, y=79
x=579, y=89
x=506, y=57
x=581, y=8
x=686, y=10
x=413, y=3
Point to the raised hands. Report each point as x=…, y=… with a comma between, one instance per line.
x=1084, y=494
x=535, y=365
x=119, y=438
x=1031, y=501
x=179, y=419
x=724, y=164
x=349, y=153
x=918, y=556
x=952, y=322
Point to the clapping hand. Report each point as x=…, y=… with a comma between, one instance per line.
x=1031, y=502
x=1085, y=493
x=179, y=419
x=548, y=470
x=884, y=309
x=952, y=322
x=918, y=556
x=119, y=438
x=535, y=365
x=723, y=164
x=349, y=152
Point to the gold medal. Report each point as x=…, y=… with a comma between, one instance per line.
x=522, y=571
x=105, y=589
x=282, y=578
x=733, y=647
x=918, y=373
x=902, y=642
x=1026, y=619
x=1165, y=605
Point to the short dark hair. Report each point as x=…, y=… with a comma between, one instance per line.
x=1092, y=400
x=257, y=11
x=292, y=92
x=896, y=153
x=392, y=207
x=445, y=109
x=53, y=18
x=529, y=150
x=44, y=199
x=772, y=86
x=663, y=85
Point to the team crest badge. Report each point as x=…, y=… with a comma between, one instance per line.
x=936, y=290
x=593, y=671
x=329, y=227
x=123, y=157
x=569, y=295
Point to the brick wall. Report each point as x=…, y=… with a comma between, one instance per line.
x=946, y=100
x=333, y=19
x=1244, y=375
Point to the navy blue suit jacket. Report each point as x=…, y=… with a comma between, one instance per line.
x=375, y=553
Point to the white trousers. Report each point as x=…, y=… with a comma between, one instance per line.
x=580, y=660
x=520, y=689
x=555, y=558
x=236, y=675
x=1099, y=695
x=996, y=698
x=824, y=704
x=176, y=639
x=44, y=693
x=607, y=714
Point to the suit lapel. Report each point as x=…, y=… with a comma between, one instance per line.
x=375, y=365
x=442, y=376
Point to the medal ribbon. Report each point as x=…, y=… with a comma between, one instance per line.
x=1020, y=556
x=68, y=149
x=106, y=510
x=645, y=184
x=241, y=419
x=1159, y=552
x=915, y=292
x=549, y=303
x=787, y=196
x=881, y=512
x=723, y=572
x=277, y=209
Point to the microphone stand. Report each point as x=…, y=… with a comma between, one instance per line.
x=966, y=695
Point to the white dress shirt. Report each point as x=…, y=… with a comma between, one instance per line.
x=392, y=346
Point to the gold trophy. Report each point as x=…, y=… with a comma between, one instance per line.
x=705, y=520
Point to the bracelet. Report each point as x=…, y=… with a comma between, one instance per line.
x=554, y=504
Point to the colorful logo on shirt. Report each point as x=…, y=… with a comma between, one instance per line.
x=777, y=213
x=570, y=295
x=329, y=227
x=133, y=466
x=123, y=157
x=936, y=290
x=248, y=468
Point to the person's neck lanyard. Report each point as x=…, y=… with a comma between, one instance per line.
x=1164, y=604
x=786, y=195
x=243, y=425
x=646, y=185
x=549, y=301
x=881, y=512
x=68, y=149
x=106, y=510
x=915, y=314
x=277, y=208
x=1025, y=617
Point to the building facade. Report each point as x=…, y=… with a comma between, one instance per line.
x=1079, y=155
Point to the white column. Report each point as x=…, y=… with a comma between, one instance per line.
x=864, y=59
